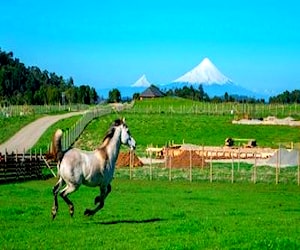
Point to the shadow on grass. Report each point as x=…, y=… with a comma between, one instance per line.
x=130, y=221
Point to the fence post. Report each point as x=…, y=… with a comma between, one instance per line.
x=17, y=165
x=277, y=167
x=211, y=168
x=254, y=170
x=170, y=167
x=150, y=165
x=130, y=165
x=202, y=156
x=191, y=165
x=232, y=168
x=298, y=167
x=239, y=159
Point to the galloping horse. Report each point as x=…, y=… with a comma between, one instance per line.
x=91, y=168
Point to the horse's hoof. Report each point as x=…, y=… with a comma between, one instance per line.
x=71, y=210
x=88, y=212
x=54, y=212
x=53, y=216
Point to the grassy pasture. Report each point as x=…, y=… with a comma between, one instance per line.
x=45, y=140
x=142, y=214
x=159, y=129
x=153, y=215
x=10, y=125
x=220, y=172
x=251, y=110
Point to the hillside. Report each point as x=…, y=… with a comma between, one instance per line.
x=160, y=121
x=20, y=84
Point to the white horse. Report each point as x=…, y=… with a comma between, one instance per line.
x=91, y=168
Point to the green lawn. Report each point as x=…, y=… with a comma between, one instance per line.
x=158, y=214
x=153, y=215
x=45, y=140
x=165, y=120
x=11, y=125
x=160, y=129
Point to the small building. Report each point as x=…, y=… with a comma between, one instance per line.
x=151, y=92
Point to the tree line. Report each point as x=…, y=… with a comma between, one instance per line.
x=198, y=94
x=286, y=97
x=189, y=92
x=29, y=85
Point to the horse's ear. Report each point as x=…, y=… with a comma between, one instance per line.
x=123, y=120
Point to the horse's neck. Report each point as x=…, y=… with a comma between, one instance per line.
x=113, y=147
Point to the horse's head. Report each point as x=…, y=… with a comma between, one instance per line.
x=126, y=138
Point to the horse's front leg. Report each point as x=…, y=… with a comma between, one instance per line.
x=104, y=191
x=98, y=198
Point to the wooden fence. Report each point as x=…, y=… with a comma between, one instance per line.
x=20, y=167
x=17, y=167
x=71, y=135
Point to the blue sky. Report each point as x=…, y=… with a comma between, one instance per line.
x=112, y=43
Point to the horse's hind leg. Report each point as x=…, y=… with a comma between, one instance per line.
x=55, y=193
x=104, y=191
x=70, y=188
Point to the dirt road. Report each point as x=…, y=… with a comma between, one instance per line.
x=29, y=135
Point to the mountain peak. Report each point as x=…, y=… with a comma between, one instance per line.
x=204, y=73
x=141, y=82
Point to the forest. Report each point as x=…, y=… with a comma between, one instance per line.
x=21, y=85
x=286, y=97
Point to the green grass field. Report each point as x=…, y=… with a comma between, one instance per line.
x=158, y=214
x=10, y=125
x=153, y=215
x=45, y=140
x=160, y=129
x=163, y=120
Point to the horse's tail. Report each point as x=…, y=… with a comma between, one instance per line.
x=57, y=150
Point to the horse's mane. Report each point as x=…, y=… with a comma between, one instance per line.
x=110, y=132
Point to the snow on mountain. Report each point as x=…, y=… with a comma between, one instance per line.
x=205, y=73
x=213, y=81
x=141, y=82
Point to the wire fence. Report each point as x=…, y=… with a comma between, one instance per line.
x=72, y=133
x=215, y=173
x=234, y=169
x=246, y=110
x=23, y=110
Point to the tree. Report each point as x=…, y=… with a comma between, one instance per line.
x=201, y=93
x=136, y=96
x=114, y=95
x=93, y=96
x=30, y=85
x=226, y=97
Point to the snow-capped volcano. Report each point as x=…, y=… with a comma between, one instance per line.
x=141, y=82
x=205, y=73
x=213, y=81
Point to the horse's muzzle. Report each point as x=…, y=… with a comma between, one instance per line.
x=131, y=143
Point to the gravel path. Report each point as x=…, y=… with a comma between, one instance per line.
x=29, y=135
